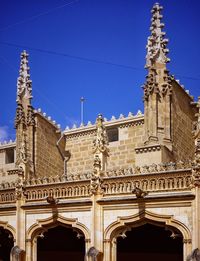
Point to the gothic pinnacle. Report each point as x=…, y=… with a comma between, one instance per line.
x=101, y=140
x=24, y=84
x=156, y=44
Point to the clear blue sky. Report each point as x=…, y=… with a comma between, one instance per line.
x=76, y=49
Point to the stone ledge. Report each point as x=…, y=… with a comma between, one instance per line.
x=61, y=203
x=148, y=148
x=6, y=206
x=159, y=197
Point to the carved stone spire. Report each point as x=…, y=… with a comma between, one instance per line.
x=158, y=85
x=24, y=84
x=157, y=44
x=25, y=119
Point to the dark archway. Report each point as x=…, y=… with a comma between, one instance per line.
x=150, y=242
x=6, y=244
x=61, y=243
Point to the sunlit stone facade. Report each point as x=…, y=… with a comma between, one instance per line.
x=101, y=181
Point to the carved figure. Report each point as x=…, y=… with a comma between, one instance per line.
x=101, y=140
x=17, y=254
x=194, y=256
x=93, y=253
x=139, y=192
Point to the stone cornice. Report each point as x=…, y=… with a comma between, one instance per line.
x=6, y=145
x=7, y=207
x=181, y=196
x=61, y=203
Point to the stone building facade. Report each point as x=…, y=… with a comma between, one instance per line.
x=119, y=189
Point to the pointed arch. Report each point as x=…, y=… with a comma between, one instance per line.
x=7, y=226
x=44, y=224
x=142, y=218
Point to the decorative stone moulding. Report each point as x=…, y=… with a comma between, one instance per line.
x=172, y=176
x=148, y=149
x=13, y=172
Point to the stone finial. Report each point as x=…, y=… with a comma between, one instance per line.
x=156, y=44
x=24, y=84
x=158, y=78
x=100, y=142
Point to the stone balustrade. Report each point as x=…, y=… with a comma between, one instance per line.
x=7, y=196
x=165, y=182
x=62, y=190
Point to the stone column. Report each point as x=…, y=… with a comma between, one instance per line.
x=28, y=250
x=100, y=151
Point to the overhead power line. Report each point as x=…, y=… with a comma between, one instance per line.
x=70, y=56
x=38, y=15
x=86, y=59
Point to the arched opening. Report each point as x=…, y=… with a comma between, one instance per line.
x=150, y=242
x=6, y=244
x=61, y=243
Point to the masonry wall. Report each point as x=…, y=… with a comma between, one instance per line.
x=4, y=167
x=48, y=160
x=122, y=152
x=80, y=146
x=121, y=155
x=183, y=116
